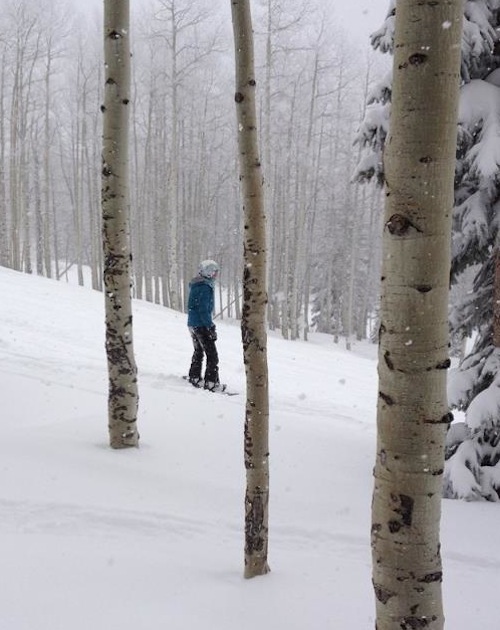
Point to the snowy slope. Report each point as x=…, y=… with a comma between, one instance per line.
x=153, y=538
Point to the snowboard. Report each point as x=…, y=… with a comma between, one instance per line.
x=224, y=392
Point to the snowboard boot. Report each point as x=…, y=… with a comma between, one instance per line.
x=215, y=387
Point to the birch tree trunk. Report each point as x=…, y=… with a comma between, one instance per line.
x=122, y=371
x=253, y=323
x=413, y=352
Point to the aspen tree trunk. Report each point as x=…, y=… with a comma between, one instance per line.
x=78, y=173
x=145, y=237
x=413, y=352
x=26, y=55
x=37, y=204
x=80, y=182
x=139, y=202
x=26, y=154
x=15, y=219
x=24, y=186
x=4, y=240
x=299, y=305
x=92, y=177
x=46, y=183
x=334, y=225
x=317, y=159
x=253, y=323
x=269, y=192
x=122, y=371
x=374, y=229
x=358, y=206
x=288, y=198
x=173, y=179
x=351, y=286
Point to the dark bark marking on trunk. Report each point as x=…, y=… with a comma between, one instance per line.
x=254, y=525
x=399, y=225
x=248, y=448
x=382, y=329
x=437, y=576
x=376, y=527
x=443, y=365
x=446, y=419
x=414, y=623
x=404, y=508
x=387, y=399
x=388, y=360
x=382, y=594
x=426, y=159
x=417, y=59
x=394, y=526
x=238, y=97
x=423, y=288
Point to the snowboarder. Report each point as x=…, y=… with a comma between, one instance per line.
x=202, y=328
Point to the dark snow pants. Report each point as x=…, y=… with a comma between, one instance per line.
x=204, y=344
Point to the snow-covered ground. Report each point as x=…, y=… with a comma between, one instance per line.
x=97, y=539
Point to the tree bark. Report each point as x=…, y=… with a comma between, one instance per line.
x=413, y=413
x=122, y=371
x=253, y=323
x=4, y=240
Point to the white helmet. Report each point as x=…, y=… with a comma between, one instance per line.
x=208, y=268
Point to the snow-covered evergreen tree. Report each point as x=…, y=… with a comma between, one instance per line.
x=472, y=468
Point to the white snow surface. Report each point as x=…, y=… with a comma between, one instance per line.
x=153, y=537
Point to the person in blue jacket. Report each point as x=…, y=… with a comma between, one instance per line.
x=202, y=329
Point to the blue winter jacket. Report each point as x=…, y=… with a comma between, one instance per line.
x=200, y=302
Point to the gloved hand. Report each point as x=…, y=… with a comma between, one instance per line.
x=213, y=333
